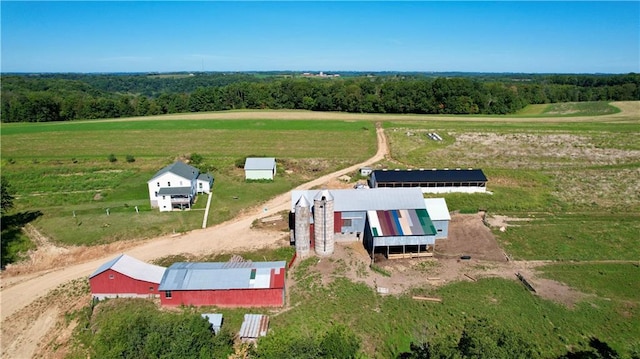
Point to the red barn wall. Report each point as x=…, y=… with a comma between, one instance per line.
x=120, y=283
x=273, y=297
x=337, y=222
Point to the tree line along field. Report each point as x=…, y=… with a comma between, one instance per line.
x=573, y=182
x=66, y=97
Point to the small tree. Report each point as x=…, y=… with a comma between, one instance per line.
x=195, y=158
x=112, y=158
x=6, y=195
x=130, y=158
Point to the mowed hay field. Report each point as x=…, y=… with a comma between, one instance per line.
x=568, y=185
x=62, y=168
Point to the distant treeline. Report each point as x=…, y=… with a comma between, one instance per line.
x=64, y=97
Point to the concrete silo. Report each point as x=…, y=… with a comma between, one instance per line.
x=323, y=223
x=302, y=233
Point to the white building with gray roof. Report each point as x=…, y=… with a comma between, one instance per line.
x=176, y=185
x=260, y=168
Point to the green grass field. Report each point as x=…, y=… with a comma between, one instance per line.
x=62, y=168
x=575, y=181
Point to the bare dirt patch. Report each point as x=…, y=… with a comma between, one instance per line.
x=468, y=236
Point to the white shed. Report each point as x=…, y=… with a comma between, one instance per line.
x=260, y=168
x=439, y=214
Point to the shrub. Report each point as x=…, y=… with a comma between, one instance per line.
x=130, y=158
x=112, y=158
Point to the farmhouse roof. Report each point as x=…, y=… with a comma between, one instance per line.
x=205, y=177
x=437, y=208
x=133, y=268
x=457, y=175
x=178, y=168
x=259, y=163
x=174, y=191
x=352, y=200
x=221, y=275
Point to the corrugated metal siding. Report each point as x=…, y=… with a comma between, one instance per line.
x=353, y=200
x=220, y=275
x=254, y=326
x=401, y=223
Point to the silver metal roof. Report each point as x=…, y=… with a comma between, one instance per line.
x=219, y=275
x=346, y=200
x=254, y=326
x=259, y=163
x=178, y=168
x=215, y=319
x=133, y=268
x=437, y=209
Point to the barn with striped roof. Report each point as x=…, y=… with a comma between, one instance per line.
x=392, y=221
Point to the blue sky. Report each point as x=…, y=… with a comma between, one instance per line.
x=477, y=36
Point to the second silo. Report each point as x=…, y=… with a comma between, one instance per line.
x=302, y=233
x=323, y=223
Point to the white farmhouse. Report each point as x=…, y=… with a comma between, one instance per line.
x=175, y=186
x=259, y=168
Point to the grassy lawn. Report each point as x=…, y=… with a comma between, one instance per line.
x=387, y=324
x=618, y=281
x=59, y=177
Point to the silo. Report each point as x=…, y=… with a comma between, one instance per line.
x=323, y=223
x=301, y=231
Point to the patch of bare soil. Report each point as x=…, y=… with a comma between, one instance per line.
x=468, y=236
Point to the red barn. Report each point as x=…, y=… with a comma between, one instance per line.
x=228, y=284
x=126, y=276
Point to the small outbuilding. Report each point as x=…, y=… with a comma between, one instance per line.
x=439, y=214
x=125, y=276
x=215, y=319
x=260, y=168
x=253, y=327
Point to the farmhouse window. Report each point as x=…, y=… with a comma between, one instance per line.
x=439, y=230
x=150, y=289
x=200, y=184
x=111, y=276
x=347, y=222
x=162, y=197
x=167, y=294
x=168, y=184
x=181, y=183
x=156, y=195
x=158, y=183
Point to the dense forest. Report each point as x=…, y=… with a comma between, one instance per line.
x=64, y=97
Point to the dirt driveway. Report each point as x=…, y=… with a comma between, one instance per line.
x=19, y=291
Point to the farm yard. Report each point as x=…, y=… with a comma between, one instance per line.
x=564, y=190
